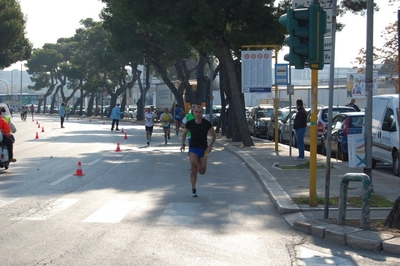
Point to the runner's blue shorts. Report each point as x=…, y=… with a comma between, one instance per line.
x=201, y=153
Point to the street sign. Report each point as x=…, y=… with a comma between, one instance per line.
x=281, y=74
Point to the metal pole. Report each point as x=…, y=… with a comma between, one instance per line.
x=211, y=87
x=329, y=129
x=144, y=81
x=398, y=64
x=276, y=103
x=21, y=89
x=313, y=132
x=313, y=135
x=369, y=82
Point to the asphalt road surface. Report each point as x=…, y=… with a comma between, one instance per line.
x=133, y=206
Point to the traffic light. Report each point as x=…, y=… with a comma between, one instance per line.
x=317, y=22
x=306, y=28
x=294, y=41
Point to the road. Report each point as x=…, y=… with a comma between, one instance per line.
x=133, y=207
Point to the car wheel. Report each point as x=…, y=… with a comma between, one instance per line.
x=294, y=141
x=342, y=155
x=280, y=137
x=396, y=163
x=323, y=148
x=269, y=137
x=374, y=163
x=255, y=133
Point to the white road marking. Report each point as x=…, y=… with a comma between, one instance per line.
x=113, y=212
x=44, y=211
x=60, y=180
x=93, y=162
x=6, y=201
x=179, y=214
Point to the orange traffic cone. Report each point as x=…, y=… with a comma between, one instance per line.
x=122, y=130
x=79, y=170
x=42, y=129
x=126, y=136
x=38, y=125
x=37, y=122
x=37, y=136
x=33, y=120
x=118, y=148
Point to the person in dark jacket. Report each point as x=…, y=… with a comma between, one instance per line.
x=300, y=125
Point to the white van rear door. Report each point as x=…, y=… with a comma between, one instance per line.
x=380, y=148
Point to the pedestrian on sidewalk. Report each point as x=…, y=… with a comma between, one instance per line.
x=61, y=114
x=300, y=125
x=115, y=116
x=166, y=119
x=149, y=117
x=198, y=146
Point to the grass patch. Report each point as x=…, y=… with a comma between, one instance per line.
x=376, y=201
x=305, y=165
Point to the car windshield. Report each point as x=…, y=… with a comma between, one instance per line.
x=282, y=114
x=335, y=111
x=356, y=121
x=265, y=112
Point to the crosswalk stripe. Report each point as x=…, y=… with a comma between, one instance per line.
x=6, y=201
x=112, y=212
x=179, y=214
x=245, y=215
x=43, y=212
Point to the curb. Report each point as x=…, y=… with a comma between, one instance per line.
x=292, y=213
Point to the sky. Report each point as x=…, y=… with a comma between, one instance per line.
x=49, y=20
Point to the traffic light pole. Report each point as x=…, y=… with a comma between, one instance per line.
x=313, y=135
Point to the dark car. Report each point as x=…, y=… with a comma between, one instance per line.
x=343, y=124
x=282, y=115
x=216, y=114
x=257, y=120
x=322, y=122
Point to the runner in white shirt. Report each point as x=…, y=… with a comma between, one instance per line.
x=149, y=118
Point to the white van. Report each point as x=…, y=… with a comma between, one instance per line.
x=385, y=134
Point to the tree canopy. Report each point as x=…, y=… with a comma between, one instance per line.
x=14, y=46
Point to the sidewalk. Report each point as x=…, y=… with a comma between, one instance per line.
x=283, y=185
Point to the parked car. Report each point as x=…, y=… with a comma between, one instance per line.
x=286, y=131
x=282, y=114
x=258, y=118
x=131, y=111
x=216, y=114
x=322, y=121
x=343, y=124
x=385, y=130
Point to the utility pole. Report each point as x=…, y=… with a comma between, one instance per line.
x=369, y=83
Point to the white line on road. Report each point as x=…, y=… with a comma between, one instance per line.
x=113, y=212
x=60, y=180
x=93, y=162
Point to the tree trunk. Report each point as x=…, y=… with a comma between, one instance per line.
x=393, y=219
x=236, y=103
